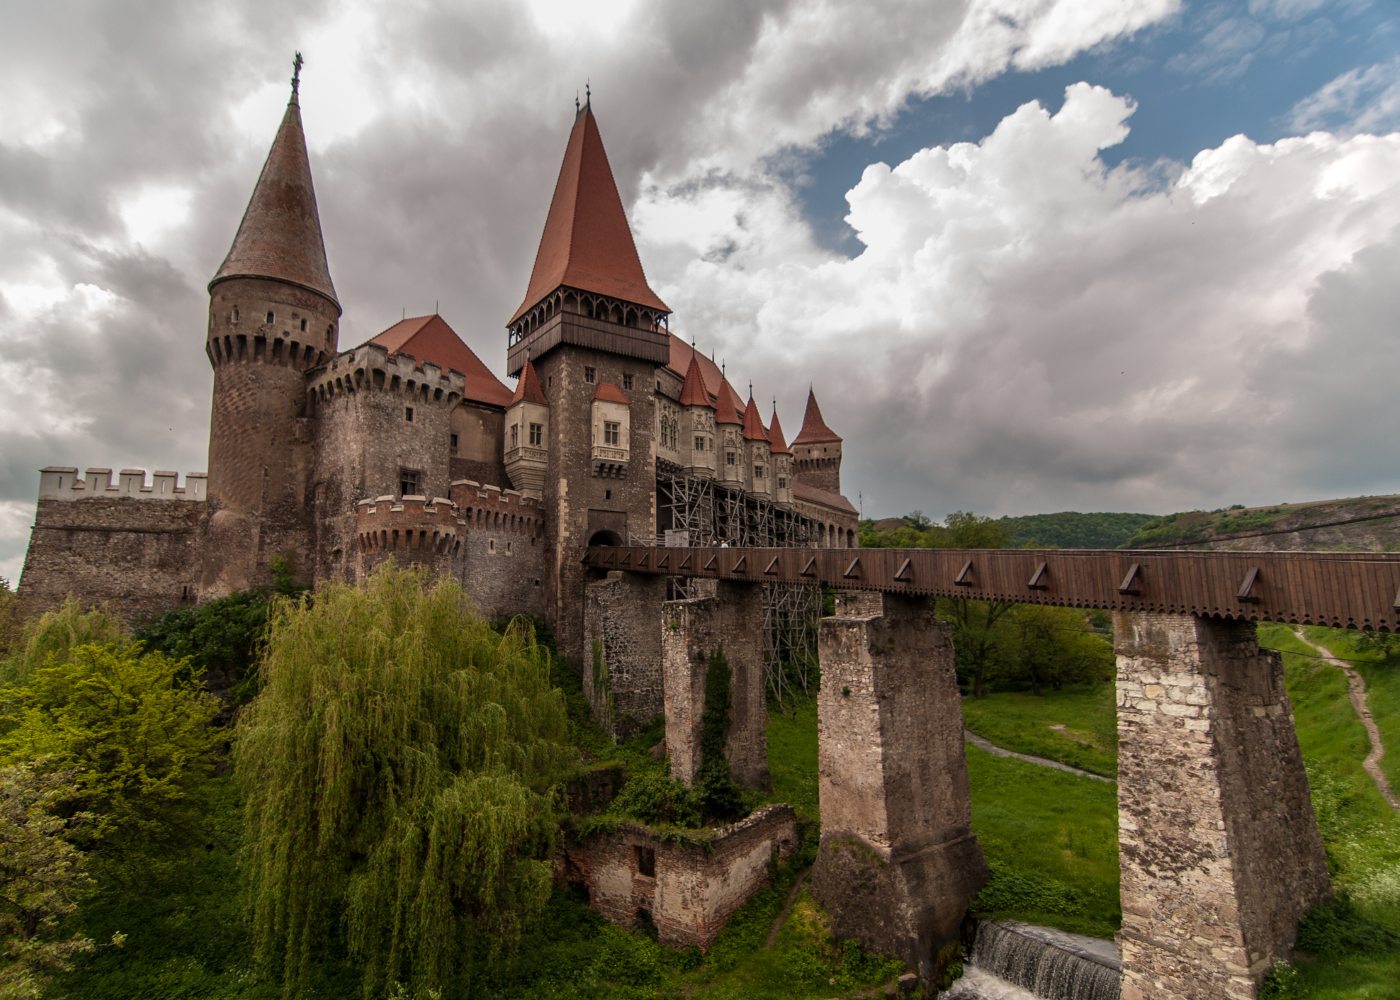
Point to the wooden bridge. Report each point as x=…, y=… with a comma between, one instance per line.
x=1219, y=849
x=1337, y=589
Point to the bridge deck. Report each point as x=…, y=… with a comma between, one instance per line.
x=1340, y=589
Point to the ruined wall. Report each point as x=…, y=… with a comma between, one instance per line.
x=622, y=622
x=693, y=887
x=130, y=545
x=731, y=620
x=1219, y=847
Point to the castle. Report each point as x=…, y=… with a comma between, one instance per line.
x=325, y=462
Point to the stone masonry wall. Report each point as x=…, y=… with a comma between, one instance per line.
x=139, y=557
x=622, y=620
x=693, y=887
x=731, y=620
x=898, y=864
x=1219, y=847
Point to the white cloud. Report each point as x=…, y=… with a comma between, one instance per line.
x=1027, y=329
x=1365, y=99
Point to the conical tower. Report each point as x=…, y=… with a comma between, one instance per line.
x=595, y=333
x=817, y=449
x=273, y=314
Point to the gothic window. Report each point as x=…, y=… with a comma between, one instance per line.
x=782, y=482
x=612, y=433
x=627, y=381
x=410, y=482
x=515, y=435
x=589, y=373
x=699, y=442
x=758, y=472
x=728, y=458
x=537, y=435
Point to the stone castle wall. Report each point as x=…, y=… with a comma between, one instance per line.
x=692, y=888
x=127, y=544
x=622, y=675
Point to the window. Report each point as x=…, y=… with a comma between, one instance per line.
x=646, y=861
x=410, y=482
x=537, y=435
x=758, y=472
x=270, y=317
x=235, y=314
x=454, y=442
x=303, y=326
x=515, y=435
x=728, y=458
x=612, y=433
x=408, y=414
x=699, y=442
x=782, y=482
x=627, y=381
x=590, y=374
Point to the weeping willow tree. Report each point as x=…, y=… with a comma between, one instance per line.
x=400, y=767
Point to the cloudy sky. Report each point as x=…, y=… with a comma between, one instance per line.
x=1035, y=255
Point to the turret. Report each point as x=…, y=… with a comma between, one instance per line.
x=729, y=423
x=273, y=314
x=782, y=460
x=817, y=450
x=697, y=424
x=527, y=434
x=758, y=471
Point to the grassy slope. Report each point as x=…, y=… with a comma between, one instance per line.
x=1075, y=726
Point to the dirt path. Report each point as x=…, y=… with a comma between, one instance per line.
x=782, y=916
x=1356, y=686
x=996, y=751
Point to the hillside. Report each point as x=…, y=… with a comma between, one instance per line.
x=1065, y=530
x=1363, y=524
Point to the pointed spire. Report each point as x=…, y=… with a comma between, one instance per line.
x=814, y=428
x=280, y=235
x=753, y=423
x=528, y=388
x=728, y=407
x=587, y=243
x=776, y=440
x=693, y=388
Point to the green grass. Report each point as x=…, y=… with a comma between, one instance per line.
x=1051, y=841
x=792, y=756
x=1349, y=951
x=1074, y=726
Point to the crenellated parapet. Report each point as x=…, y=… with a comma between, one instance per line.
x=491, y=508
x=64, y=483
x=371, y=368
x=415, y=527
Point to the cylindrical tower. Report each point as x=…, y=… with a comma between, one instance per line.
x=273, y=314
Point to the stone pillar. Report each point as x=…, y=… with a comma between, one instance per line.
x=1218, y=844
x=731, y=619
x=622, y=650
x=898, y=863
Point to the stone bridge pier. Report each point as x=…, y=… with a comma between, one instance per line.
x=898, y=864
x=1218, y=845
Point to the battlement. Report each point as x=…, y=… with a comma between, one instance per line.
x=64, y=483
x=491, y=507
x=371, y=368
x=411, y=523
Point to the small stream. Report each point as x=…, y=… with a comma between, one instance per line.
x=1015, y=961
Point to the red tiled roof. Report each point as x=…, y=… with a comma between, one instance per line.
x=587, y=243
x=429, y=338
x=775, y=435
x=729, y=408
x=528, y=388
x=808, y=493
x=753, y=424
x=814, y=428
x=693, y=389
x=280, y=235
x=610, y=393
x=679, y=362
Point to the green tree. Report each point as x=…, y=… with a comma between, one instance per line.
x=1053, y=646
x=54, y=634
x=134, y=731
x=42, y=879
x=400, y=766
x=221, y=638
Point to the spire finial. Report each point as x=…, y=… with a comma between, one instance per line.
x=751, y=388
x=723, y=370
x=297, y=63
x=576, y=104
x=588, y=92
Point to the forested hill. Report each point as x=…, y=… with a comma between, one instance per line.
x=1362, y=524
x=1066, y=530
